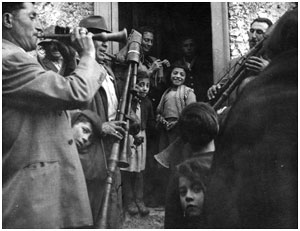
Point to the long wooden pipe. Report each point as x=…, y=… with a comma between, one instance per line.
x=120, y=36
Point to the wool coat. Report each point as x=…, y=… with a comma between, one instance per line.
x=43, y=184
x=255, y=172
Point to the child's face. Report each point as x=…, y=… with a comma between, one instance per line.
x=191, y=197
x=144, y=84
x=82, y=134
x=178, y=76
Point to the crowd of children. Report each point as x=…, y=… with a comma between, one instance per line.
x=167, y=111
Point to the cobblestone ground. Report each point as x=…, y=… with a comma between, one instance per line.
x=155, y=220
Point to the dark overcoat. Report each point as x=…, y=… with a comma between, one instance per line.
x=254, y=182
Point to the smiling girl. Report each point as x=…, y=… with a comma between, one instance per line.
x=174, y=99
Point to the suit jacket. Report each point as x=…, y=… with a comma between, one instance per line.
x=43, y=184
x=255, y=172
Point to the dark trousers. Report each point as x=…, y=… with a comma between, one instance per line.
x=133, y=186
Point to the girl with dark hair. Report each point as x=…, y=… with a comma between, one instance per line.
x=172, y=102
x=187, y=191
x=199, y=127
x=133, y=176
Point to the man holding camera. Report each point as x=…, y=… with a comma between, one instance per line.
x=43, y=184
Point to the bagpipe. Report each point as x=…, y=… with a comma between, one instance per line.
x=118, y=156
x=129, y=55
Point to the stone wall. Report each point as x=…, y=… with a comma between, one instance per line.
x=241, y=14
x=63, y=13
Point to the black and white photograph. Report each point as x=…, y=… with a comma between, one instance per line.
x=150, y=115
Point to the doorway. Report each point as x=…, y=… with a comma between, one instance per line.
x=171, y=21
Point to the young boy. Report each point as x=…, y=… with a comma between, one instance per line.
x=85, y=127
x=88, y=132
x=88, y=137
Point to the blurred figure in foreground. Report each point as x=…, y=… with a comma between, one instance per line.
x=255, y=165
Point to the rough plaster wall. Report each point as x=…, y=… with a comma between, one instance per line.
x=241, y=14
x=63, y=13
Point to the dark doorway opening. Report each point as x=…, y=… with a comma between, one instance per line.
x=171, y=21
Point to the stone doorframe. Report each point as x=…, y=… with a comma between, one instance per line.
x=110, y=11
x=220, y=37
x=220, y=34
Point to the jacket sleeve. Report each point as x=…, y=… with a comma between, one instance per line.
x=173, y=211
x=27, y=84
x=151, y=122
